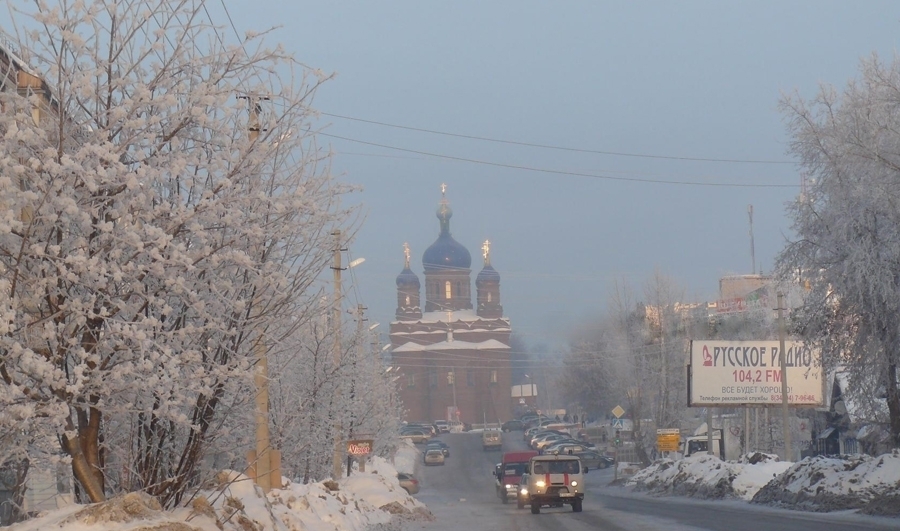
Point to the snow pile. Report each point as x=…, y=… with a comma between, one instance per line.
x=406, y=457
x=706, y=476
x=837, y=483
x=365, y=500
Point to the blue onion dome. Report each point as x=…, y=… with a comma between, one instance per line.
x=446, y=253
x=488, y=274
x=407, y=278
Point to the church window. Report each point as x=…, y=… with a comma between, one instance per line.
x=447, y=293
x=489, y=297
x=410, y=380
x=494, y=376
x=407, y=300
x=470, y=378
x=432, y=378
x=459, y=289
x=451, y=377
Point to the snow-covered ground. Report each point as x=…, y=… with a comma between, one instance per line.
x=371, y=500
x=871, y=484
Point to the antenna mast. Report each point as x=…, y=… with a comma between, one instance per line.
x=752, y=247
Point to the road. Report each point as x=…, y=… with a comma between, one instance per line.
x=461, y=496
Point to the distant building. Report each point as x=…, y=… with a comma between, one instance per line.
x=453, y=358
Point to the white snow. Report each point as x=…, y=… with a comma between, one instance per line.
x=490, y=344
x=449, y=317
x=818, y=483
x=364, y=499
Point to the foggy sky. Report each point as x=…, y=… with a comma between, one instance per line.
x=677, y=79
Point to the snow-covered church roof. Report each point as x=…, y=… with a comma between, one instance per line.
x=491, y=344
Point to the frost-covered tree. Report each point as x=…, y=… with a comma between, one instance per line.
x=635, y=357
x=304, y=387
x=164, y=206
x=847, y=225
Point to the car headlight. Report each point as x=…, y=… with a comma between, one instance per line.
x=523, y=491
x=541, y=483
x=574, y=483
x=508, y=486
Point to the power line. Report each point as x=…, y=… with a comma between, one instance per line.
x=548, y=146
x=559, y=172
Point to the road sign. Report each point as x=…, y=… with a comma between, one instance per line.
x=618, y=424
x=668, y=439
x=618, y=411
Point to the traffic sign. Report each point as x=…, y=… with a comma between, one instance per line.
x=618, y=411
x=668, y=439
x=618, y=423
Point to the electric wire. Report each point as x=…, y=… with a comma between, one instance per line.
x=557, y=172
x=549, y=146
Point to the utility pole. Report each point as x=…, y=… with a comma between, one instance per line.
x=264, y=462
x=337, y=458
x=784, y=386
x=360, y=351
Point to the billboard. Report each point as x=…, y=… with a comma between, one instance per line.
x=739, y=373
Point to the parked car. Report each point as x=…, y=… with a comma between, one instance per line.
x=409, y=483
x=565, y=448
x=429, y=428
x=443, y=426
x=547, y=440
x=416, y=436
x=434, y=457
x=440, y=445
x=511, y=425
x=591, y=459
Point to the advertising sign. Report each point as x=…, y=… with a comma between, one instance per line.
x=668, y=439
x=359, y=448
x=737, y=373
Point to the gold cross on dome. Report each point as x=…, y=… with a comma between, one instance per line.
x=486, y=251
x=406, y=253
x=443, y=189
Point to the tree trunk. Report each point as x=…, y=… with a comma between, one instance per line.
x=17, y=513
x=85, y=474
x=893, y=403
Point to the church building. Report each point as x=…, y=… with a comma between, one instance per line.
x=453, y=358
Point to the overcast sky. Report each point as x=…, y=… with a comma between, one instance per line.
x=660, y=79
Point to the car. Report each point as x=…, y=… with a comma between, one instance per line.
x=435, y=456
x=408, y=482
x=543, y=433
x=440, y=445
x=547, y=440
x=591, y=459
x=522, y=498
x=575, y=442
x=565, y=448
x=424, y=426
x=416, y=436
x=443, y=426
x=512, y=425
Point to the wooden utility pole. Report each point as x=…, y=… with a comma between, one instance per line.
x=337, y=458
x=264, y=462
x=784, y=385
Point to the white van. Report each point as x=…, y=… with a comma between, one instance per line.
x=554, y=480
x=491, y=439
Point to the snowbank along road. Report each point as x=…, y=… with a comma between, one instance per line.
x=461, y=495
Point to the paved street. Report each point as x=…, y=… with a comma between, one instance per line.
x=461, y=496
